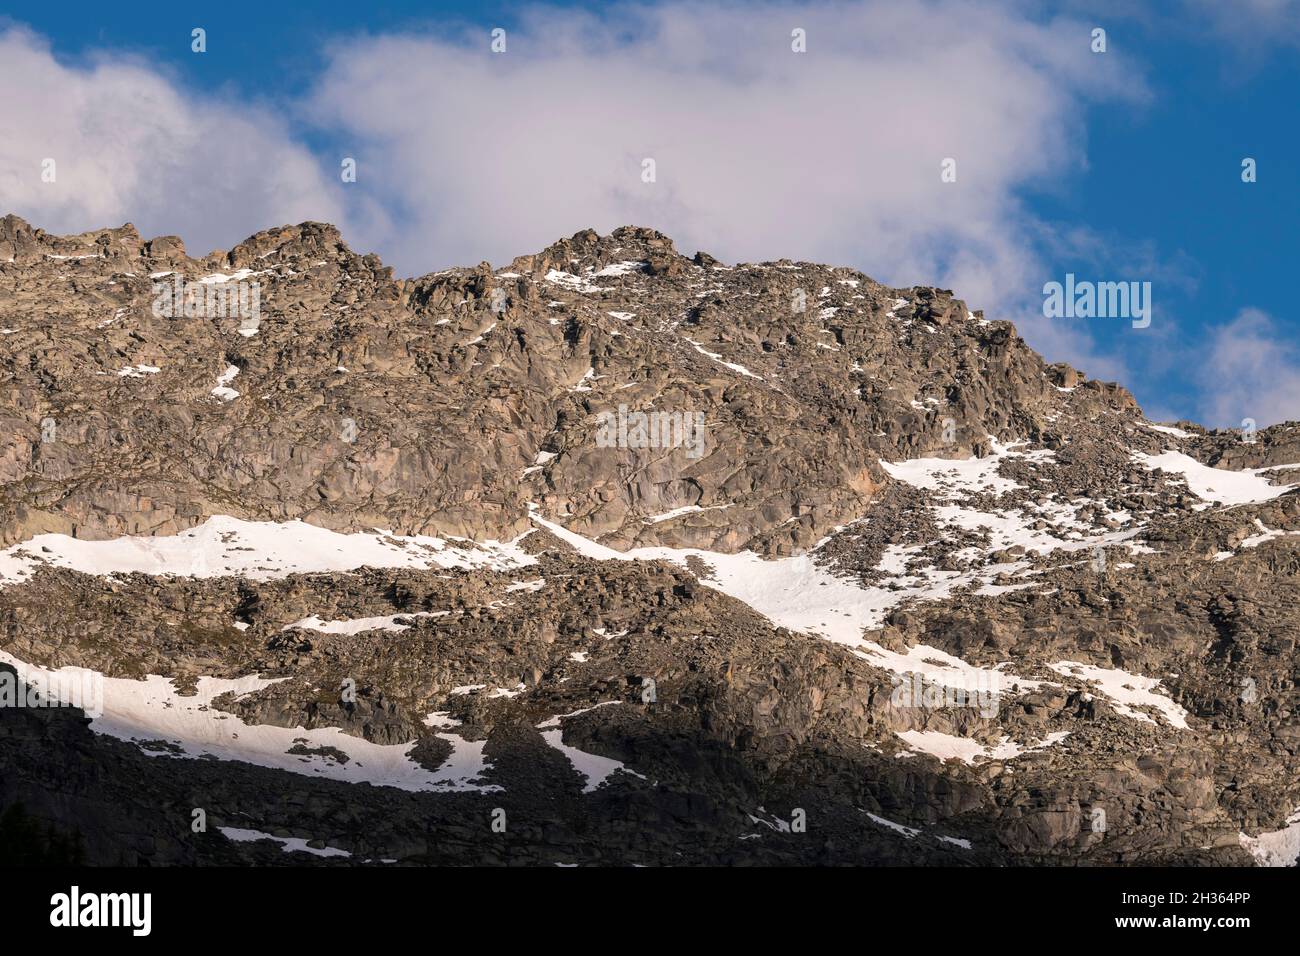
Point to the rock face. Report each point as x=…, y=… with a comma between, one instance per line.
x=424, y=405
x=615, y=556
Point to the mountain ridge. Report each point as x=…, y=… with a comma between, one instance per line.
x=374, y=547
x=406, y=334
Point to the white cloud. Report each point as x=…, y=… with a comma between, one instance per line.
x=128, y=145
x=1251, y=369
x=1256, y=24
x=833, y=155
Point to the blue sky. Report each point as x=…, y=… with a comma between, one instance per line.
x=1117, y=166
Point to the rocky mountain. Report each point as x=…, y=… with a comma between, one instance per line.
x=617, y=556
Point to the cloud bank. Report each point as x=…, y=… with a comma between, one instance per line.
x=129, y=145
x=831, y=155
x=1250, y=370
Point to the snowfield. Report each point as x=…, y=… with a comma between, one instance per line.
x=947, y=747
x=259, y=550
x=1216, y=484
x=797, y=594
x=968, y=475
x=1279, y=848
x=287, y=844
x=164, y=723
x=358, y=625
x=1126, y=691
x=792, y=592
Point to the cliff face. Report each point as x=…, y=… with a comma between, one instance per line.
x=671, y=560
x=426, y=405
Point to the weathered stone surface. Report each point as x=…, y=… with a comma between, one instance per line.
x=474, y=398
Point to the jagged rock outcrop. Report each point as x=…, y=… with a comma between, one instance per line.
x=424, y=405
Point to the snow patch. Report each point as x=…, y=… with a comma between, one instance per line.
x=684, y=510
x=1168, y=430
x=358, y=625
x=965, y=475
x=218, y=278
x=1126, y=691
x=948, y=747
x=622, y=268
x=168, y=725
x=570, y=281
x=595, y=769
x=1216, y=484
x=287, y=844
x=1278, y=848
x=740, y=369
x=260, y=550
x=223, y=391
x=139, y=371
